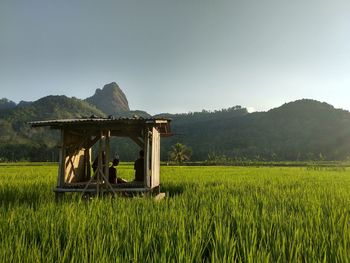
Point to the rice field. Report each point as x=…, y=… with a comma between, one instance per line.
x=211, y=214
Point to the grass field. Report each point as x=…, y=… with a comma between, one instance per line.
x=211, y=214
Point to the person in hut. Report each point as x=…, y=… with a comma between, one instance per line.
x=112, y=176
x=139, y=167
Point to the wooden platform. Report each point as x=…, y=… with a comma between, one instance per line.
x=93, y=184
x=102, y=190
x=92, y=188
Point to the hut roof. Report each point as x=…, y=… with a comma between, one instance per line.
x=92, y=123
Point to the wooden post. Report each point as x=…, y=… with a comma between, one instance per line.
x=99, y=166
x=155, y=165
x=62, y=162
x=147, y=158
x=87, y=164
x=61, y=167
x=106, y=171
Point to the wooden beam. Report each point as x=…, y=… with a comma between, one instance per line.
x=62, y=158
x=91, y=142
x=138, y=141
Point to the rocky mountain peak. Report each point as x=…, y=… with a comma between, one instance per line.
x=110, y=99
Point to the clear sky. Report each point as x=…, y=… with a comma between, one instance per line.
x=178, y=55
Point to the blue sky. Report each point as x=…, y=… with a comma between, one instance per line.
x=178, y=56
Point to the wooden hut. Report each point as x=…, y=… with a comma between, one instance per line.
x=79, y=135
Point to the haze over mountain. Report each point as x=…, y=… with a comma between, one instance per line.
x=299, y=130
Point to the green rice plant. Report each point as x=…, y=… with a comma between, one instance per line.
x=211, y=214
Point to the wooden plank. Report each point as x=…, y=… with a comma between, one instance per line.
x=74, y=167
x=70, y=175
x=155, y=158
x=94, y=190
x=159, y=196
x=161, y=121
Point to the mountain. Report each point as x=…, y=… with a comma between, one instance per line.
x=18, y=141
x=300, y=130
x=23, y=103
x=13, y=124
x=6, y=104
x=110, y=99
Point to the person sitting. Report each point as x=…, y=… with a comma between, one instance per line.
x=112, y=175
x=139, y=167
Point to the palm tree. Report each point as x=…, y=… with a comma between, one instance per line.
x=180, y=153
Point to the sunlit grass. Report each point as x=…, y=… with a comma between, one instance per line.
x=215, y=214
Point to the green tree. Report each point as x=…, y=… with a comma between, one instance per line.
x=180, y=153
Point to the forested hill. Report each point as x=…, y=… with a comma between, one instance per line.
x=300, y=130
x=203, y=116
x=19, y=142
